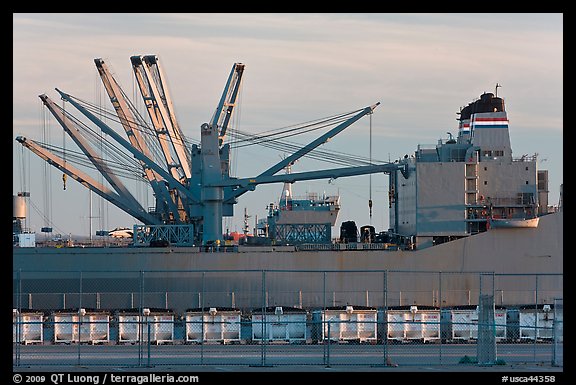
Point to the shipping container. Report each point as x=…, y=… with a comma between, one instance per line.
x=81, y=325
x=213, y=325
x=347, y=323
x=156, y=325
x=27, y=326
x=536, y=321
x=279, y=324
x=413, y=323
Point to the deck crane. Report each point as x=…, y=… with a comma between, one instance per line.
x=195, y=182
x=214, y=183
x=166, y=201
x=214, y=161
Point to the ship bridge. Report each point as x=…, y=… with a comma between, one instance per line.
x=462, y=185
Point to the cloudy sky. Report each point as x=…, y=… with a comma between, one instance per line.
x=422, y=68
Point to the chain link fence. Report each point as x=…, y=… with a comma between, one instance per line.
x=272, y=318
x=558, y=326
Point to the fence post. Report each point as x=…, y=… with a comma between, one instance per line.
x=440, y=313
x=18, y=312
x=140, y=319
x=328, y=346
x=535, y=316
x=202, y=324
x=264, y=299
x=486, y=344
x=324, y=291
x=385, y=318
x=80, y=316
x=558, y=345
x=148, y=327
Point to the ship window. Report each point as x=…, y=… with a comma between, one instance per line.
x=526, y=182
x=526, y=168
x=485, y=168
x=485, y=182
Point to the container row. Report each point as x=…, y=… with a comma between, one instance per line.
x=353, y=324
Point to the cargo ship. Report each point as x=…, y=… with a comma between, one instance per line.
x=464, y=205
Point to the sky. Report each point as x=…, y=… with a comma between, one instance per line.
x=421, y=68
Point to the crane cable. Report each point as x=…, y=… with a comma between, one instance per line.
x=47, y=176
x=370, y=175
x=64, y=176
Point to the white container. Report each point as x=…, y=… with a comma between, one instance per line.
x=395, y=322
x=348, y=323
x=158, y=324
x=280, y=324
x=81, y=326
x=431, y=325
x=537, y=322
x=413, y=323
x=128, y=328
x=27, y=240
x=27, y=327
x=213, y=325
x=413, y=328
x=462, y=323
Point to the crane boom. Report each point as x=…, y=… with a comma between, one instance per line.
x=161, y=110
x=160, y=131
x=304, y=150
x=128, y=121
x=67, y=124
x=172, y=182
x=176, y=134
x=88, y=181
x=311, y=175
x=227, y=102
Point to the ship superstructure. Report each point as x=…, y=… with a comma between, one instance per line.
x=300, y=219
x=463, y=186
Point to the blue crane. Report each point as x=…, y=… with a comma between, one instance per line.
x=192, y=185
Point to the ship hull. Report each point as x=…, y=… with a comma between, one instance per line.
x=458, y=264
x=514, y=223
